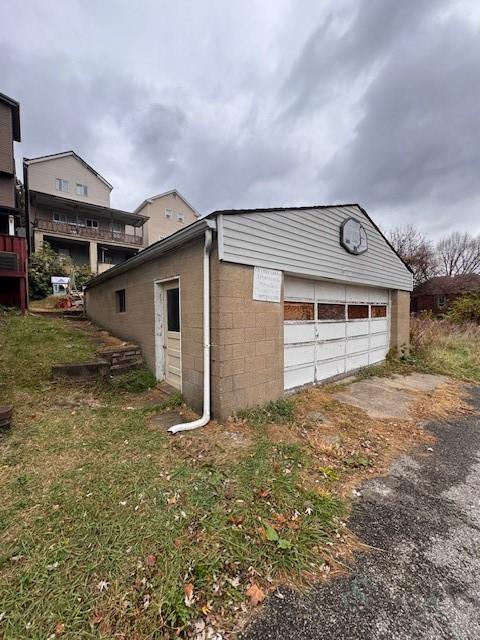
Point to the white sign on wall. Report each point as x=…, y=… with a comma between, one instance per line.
x=267, y=284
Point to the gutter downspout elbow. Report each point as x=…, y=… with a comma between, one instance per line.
x=205, y=419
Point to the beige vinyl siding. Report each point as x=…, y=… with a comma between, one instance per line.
x=7, y=191
x=6, y=139
x=41, y=177
x=158, y=226
x=307, y=243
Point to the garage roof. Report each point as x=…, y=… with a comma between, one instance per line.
x=197, y=229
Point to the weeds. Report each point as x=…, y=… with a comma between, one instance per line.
x=134, y=381
x=279, y=411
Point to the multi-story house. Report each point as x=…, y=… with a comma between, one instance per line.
x=68, y=206
x=13, y=244
x=167, y=212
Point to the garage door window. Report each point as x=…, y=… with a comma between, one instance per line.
x=298, y=310
x=330, y=311
x=379, y=310
x=357, y=311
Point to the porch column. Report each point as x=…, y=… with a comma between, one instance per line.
x=93, y=257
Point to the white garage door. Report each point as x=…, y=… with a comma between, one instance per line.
x=331, y=329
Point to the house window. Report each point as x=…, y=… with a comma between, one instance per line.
x=298, y=310
x=168, y=213
x=61, y=185
x=180, y=216
x=65, y=253
x=441, y=301
x=357, y=311
x=91, y=223
x=378, y=311
x=120, y=301
x=81, y=189
x=331, y=311
x=117, y=227
x=59, y=217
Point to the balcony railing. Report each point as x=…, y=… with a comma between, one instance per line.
x=87, y=232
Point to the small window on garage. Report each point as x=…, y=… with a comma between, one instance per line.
x=330, y=311
x=173, y=309
x=379, y=310
x=120, y=301
x=357, y=311
x=298, y=310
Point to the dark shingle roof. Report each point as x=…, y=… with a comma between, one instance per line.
x=449, y=284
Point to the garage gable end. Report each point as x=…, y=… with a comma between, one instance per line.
x=308, y=242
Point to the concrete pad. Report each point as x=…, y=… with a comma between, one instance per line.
x=378, y=399
x=422, y=382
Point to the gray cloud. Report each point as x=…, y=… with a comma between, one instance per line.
x=372, y=101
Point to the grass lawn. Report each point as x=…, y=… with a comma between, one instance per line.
x=110, y=528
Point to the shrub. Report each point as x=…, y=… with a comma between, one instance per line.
x=45, y=263
x=465, y=309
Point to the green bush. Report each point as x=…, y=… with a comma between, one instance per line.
x=44, y=264
x=465, y=309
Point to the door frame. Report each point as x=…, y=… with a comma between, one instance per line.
x=160, y=335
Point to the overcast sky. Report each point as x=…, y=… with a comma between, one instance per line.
x=255, y=103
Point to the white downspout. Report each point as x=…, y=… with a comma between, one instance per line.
x=205, y=419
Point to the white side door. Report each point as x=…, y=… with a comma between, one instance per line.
x=168, y=337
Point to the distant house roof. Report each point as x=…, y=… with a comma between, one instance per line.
x=15, y=107
x=166, y=193
x=65, y=154
x=442, y=285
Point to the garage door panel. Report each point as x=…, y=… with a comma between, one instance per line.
x=299, y=355
x=357, y=345
x=295, y=333
x=298, y=376
x=378, y=340
x=378, y=295
x=358, y=294
x=377, y=356
x=377, y=326
x=357, y=328
x=330, y=292
x=330, y=330
x=357, y=361
x=328, y=350
x=329, y=369
x=299, y=288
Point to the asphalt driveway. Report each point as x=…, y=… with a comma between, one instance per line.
x=423, y=579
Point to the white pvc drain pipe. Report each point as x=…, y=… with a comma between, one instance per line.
x=205, y=419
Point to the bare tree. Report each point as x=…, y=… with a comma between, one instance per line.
x=416, y=251
x=459, y=253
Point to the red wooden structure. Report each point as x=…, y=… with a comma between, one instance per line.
x=13, y=271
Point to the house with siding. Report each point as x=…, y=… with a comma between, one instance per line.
x=68, y=206
x=243, y=306
x=167, y=213
x=13, y=244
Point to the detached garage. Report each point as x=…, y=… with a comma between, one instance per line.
x=263, y=301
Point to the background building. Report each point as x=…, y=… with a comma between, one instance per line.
x=68, y=206
x=167, y=213
x=13, y=244
x=437, y=294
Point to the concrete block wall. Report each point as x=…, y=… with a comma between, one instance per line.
x=247, y=341
x=137, y=323
x=400, y=322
